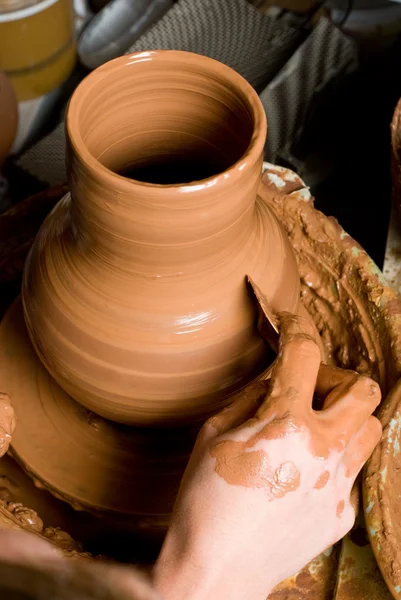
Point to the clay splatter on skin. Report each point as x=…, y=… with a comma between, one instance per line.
x=332, y=384
x=322, y=480
x=283, y=414
x=252, y=469
x=340, y=508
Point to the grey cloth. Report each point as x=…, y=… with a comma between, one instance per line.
x=264, y=49
x=45, y=160
x=231, y=31
x=118, y=25
x=325, y=54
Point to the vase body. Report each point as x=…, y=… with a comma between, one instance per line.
x=134, y=291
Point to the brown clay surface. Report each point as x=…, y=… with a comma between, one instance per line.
x=134, y=292
x=330, y=247
x=382, y=493
x=83, y=458
x=7, y=422
x=358, y=576
x=355, y=311
x=315, y=582
x=382, y=486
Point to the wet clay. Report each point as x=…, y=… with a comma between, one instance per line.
x=382, y=494
x=7, y=422
x=283, y=410
x=340, y=285
x=134, y=292
x=240, y=466
x=239, y=463
x=361, y=298
x=286, y=413
x=80, y=457
x=316, y=581
x=358, y=575
x=26, y=505
x=322, y=480
x=340, y=508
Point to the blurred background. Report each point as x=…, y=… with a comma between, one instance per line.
x=326, y=72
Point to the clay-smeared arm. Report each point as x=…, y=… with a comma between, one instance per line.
x=269, y=481
x=7, y=422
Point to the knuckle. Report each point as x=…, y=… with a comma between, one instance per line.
x=208, y=430
x=367, y=388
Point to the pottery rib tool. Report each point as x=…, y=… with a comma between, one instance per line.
x=267, y=321
x=328, y=376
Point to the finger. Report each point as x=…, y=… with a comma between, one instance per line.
x=295, y=371
x=329, y=378
x=361, y=447
x=348, y=406
x=304, y=313
x=243, y=407
x=20, y=546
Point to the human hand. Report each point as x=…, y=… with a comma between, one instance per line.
x=268, y=484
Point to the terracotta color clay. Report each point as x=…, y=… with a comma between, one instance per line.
x=237, y=464
x=333, y=282
x=134, y=292
x=285, y=412
x=7, y=422
x=82, y=458
x=382, y=494
x=8, y=116
x=322, y=480
x=357, y=315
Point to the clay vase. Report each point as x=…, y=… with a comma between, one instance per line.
x=134, y=292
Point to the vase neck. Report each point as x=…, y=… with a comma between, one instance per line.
x=164, y=158
x=126, y=225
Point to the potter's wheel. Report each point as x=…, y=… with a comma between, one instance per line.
x=118, y=461
x=382, y=498
x=338, y=280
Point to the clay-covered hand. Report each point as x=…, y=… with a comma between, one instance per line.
x=268, y=485
x=7, y=422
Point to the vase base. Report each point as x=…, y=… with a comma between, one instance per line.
x=83, y=459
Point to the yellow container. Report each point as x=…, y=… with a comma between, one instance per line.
x=37, y=44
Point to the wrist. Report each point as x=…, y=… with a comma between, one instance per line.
x=181, y=580
x=189, y=576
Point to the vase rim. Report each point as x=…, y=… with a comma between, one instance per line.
x=248, y=159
